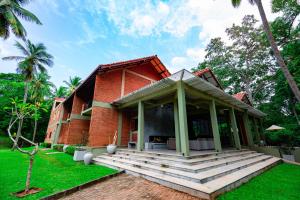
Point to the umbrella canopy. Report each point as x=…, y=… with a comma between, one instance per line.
x=274, y=127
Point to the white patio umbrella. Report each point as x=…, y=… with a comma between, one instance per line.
x=274, y=128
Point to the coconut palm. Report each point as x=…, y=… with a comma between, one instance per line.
x=73, y=83
x=273, y=44
x=40, y=88
x=61, y=92
x=35, y=59
x=10, y=10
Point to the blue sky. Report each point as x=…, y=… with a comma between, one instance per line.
x=81, y=34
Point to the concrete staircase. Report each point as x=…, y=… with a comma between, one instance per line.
x=205, y=175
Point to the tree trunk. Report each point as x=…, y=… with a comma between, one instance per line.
x=295, y=114
x=26, y=91
x=21, y=120
x=34, y=131
x=27, y=187
x=276, y=51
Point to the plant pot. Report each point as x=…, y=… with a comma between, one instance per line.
x=111, y=148
x=65, y=148
x=288, y=157
x=78, y=155
x=87, y=158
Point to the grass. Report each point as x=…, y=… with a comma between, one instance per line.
x=51, y=172
x=5, y=142
x=279, y=183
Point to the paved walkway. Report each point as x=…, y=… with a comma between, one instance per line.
x=126, y=187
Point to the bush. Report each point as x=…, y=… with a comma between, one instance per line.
x=45, y=145
x=58, y=147
x=70, y=150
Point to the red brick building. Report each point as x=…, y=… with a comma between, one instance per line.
x=111, y=97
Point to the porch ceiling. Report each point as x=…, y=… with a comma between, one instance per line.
x=196, y=84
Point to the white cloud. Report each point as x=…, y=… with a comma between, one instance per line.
x=175, y=17
x=90, y=35
x=190, y=59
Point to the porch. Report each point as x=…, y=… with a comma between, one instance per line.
x=185, y=113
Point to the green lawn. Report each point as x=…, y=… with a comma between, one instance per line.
x=52, y=173
x=280, y=183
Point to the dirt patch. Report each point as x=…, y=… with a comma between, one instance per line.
x=22, y=193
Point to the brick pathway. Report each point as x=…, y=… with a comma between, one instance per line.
x=126, y=187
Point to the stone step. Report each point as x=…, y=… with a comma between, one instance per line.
x=224, y=170
x=203, y=164
x=192, y=168
x=228, y=182
x=195, y=189
x=166, y=153
x=194, y=161
x=196, y=177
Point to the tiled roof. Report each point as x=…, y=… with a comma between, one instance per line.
x=242, y=96
x=201, y=72
x=156, y=62
x=59, y=99
x=239, y=95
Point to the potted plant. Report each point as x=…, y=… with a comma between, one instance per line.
x=79, y=153
x=111, y=148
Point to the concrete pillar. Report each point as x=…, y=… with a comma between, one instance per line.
x=214, y=124
x=58, y=128
x=141, y=121
x=247, y=128
x=120, y=124
x=182, y=116
x=234, y=128
x=176, y=125
x=256, y=128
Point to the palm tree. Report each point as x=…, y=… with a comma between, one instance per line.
x=273, y=44
x=40, y=88
x=73, y=83
x=10, y=10
x=35, y=59
x=61, y=92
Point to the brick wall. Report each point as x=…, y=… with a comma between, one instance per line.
x=104, y=123
x=53, y=120
x=108, y=86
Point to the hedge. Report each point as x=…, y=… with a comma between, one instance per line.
x=70, y=150
x=45, y=145
x=58, y=147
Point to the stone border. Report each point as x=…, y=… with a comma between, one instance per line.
x=80, y=187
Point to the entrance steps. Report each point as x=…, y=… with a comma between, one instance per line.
x=204, y=174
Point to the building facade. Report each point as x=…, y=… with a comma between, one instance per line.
x=149, y=107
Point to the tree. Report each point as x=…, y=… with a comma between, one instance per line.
x=35, y=59
x=61, y=92
x=73, y=83
x=274, y=47
x=19, y=112
x=40, y=88
x=11, y=86
x=10, y=10
x=245, y=64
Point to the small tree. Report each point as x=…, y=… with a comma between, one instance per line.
x=19, y=112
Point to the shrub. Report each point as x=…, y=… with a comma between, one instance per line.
x=58, y=147
x=45, y=145
x=70, y=150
